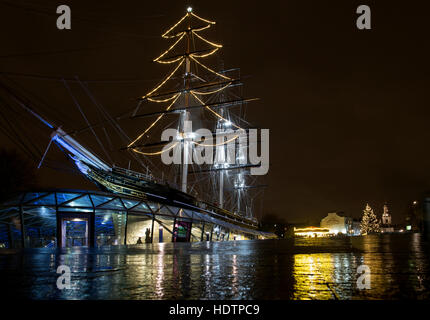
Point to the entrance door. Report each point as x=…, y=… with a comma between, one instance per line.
x=74, y=231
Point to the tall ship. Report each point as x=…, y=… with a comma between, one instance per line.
x=196, y=95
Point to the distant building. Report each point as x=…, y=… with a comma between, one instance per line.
x=335, y=223
x=386, y=225
x=353, y=227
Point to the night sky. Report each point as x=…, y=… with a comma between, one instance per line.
x=348, y=110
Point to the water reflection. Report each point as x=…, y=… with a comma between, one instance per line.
x=271, y=269
x=312, y=273
x=159, y=290
x=234, y=276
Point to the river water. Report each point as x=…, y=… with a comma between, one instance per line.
x=321, y=268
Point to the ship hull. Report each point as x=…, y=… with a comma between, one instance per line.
x=116, y=181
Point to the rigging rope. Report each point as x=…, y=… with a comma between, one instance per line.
x=156, y=153
x=209, y=69
x=203, y=55
x=165, y=80
x=171, y=47
x=115, y=125
x=217, y=144
x=15, y=136
x=86, y=120
x=159, y=117
x=164, y=35
x=214, y=112
x=211, y=92
x=162, y=100
x=204, y=20
x=216, y=45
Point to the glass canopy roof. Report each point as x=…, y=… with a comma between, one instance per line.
x=44, y=204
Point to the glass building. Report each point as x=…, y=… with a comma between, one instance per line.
x=66, y=218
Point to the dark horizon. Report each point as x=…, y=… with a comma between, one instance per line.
x=347, y=109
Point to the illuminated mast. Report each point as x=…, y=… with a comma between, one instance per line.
x=185, y=114
x=201, y=89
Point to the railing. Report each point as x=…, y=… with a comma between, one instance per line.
x=133, y=173
x=238, y=216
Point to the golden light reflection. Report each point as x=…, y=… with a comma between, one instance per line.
x=313, y=274
x=159, y=289
x=380, y=264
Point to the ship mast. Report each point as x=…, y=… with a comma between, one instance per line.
x=221, y=188
x=186, y=114
x=221, y=148
x=204, y=93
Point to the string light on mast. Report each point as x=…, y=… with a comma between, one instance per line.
x=214, y=112
x=184, y=32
